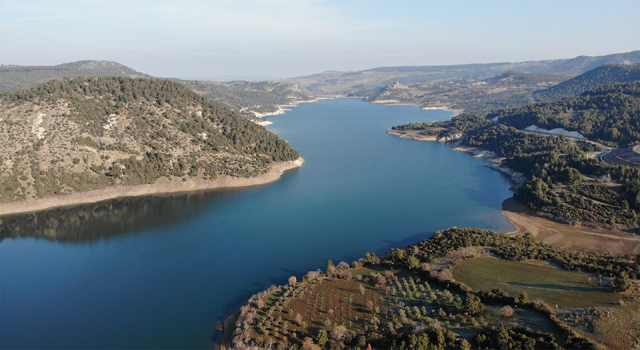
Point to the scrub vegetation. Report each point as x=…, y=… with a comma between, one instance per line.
x=80, y=134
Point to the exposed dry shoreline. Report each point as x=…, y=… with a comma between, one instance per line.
x=282, y=109
x=275, y=172
x=398, y=103
x=572, y=237
x=578, y=237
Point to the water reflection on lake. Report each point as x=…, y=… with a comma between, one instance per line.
x=90, y=222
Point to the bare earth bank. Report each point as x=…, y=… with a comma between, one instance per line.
x=275, y=172
x=578, y=237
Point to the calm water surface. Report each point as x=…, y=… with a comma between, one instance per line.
x=159, y=272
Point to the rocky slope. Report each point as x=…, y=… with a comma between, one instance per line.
x=81, y=134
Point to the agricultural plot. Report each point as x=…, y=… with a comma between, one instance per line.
x=567, y=289
x=375, y=300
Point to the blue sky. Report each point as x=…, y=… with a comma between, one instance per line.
x=277, y=38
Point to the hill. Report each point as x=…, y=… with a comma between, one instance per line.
x=249, y=98
x=81, y=134
x=506, y=90
x=562, y=180
x=335, y=83
x=14, y=78
x=591, y=114
x=245, y=98
x=606, y=74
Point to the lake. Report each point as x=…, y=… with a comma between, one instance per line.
x=160, y=272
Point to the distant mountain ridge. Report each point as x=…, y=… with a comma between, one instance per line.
x=14, y=78
x=573, y=66
x=336, y=83
x=252, y=99
x=509, y=89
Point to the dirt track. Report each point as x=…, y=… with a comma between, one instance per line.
x=623, y=156
x=559, y=235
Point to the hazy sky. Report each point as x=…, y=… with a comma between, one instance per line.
x=278, y=38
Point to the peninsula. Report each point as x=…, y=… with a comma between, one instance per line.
x=83, y=140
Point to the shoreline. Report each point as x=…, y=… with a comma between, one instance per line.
x=518, y=178
x=282, y=109
x=275, y=172
x=426, y=108
x=584, y=237
x=228, y=328
x=444, y=108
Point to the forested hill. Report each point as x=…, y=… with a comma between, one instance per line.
x=562, y=181
x=80, y=134
x=609, y=114
x=241, y=96
x=246, y=97
x=607, y=74
x=13, y=78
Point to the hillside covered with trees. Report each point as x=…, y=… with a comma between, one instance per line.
x=247, y=97
x=80, y=134
x=243, y=97
x=562, y=180
x=603, y=75
x=609, y=114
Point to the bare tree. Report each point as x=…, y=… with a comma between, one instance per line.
x=362, y=289
x=343, y=266
x=299, y=319
x=293, y=280
x=506, y=311
x=338, y=333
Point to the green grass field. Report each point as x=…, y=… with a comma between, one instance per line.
x=567, y=289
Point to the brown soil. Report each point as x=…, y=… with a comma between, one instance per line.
x=623, y=156
x=275, y=172
x=340, y=296
x=580, y=238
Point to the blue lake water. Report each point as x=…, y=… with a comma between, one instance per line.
x=160, y=272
